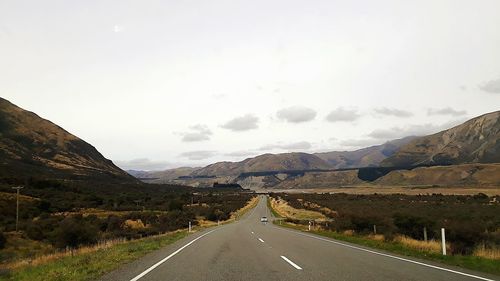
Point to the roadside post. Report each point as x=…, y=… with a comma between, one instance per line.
x=374, y=230
x=443, y=241
x=309, y=225
x=17, y=205
x=189, y=226
x=425, y=234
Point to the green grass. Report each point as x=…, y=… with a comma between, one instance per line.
x=90, y=266
x=469, y=262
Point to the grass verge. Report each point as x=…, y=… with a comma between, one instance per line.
x=469, y=262
x=92, y=265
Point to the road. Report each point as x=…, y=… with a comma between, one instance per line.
x=251, y=250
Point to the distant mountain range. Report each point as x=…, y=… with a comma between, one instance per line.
x=35, y=148
x=295, y=161
x=476, y=141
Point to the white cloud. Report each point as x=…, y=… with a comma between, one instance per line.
x=393, y=112
x=243, y=123
x=296, y=114
x=343, y=115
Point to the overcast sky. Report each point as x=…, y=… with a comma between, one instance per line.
x=160, y=84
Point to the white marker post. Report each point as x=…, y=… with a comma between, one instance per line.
x=309, y=225
x=443, y=241
x=189, y=227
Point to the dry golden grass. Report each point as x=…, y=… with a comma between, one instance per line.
x=348, y=232
x=238, y=213
x=63, y=253
x=287, y=211
x=134, y=224
x=376, y=237
x=250, y=205
x=489, y=253
x=429, y=246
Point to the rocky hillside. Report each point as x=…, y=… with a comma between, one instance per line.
x=365, y=157
x=478, y=175
x=265, y=162
x=475, y=141
x=32, y=147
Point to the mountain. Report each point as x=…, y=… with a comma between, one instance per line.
x=365, y=157
x=32, y=147
x=475, y=141
x=265, y=162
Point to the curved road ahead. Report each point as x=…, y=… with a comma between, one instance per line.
x=251, y=250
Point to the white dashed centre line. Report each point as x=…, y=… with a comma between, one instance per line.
x=261, y=240
x=291, y=263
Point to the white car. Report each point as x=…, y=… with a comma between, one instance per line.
x=263, y=219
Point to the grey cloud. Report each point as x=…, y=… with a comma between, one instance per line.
x=492, y=86
x=393, y=112
x=198, y=155
x=343, y=115
x=288, y=146
x=446, y=111
x=240, y=153
x=296, y=114
x=359, y=142
x=243, y=123
x=199, y=133
x=413, y=130
x=143, y=164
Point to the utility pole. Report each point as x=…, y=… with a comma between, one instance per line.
x=17, y=205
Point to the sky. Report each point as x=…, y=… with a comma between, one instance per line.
x=162, y=84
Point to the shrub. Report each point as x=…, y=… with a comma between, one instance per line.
x=3, y=240
x=413, y=226
x=75, y=231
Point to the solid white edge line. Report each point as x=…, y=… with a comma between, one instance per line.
x=389, y=256
x=261, y=240
x=291, y=263
x=171, y=255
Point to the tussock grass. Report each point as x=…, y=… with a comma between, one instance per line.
x=63, y=253
x=429, y=246
x=484, y=259
x=91, y=262
x=282, y=208
x=489, y=253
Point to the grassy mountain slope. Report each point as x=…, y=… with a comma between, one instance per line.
x=365, y=157
x=32, y=147
x=475, y=141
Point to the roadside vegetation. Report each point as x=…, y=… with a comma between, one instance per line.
x=50, y=229
x=396, y=223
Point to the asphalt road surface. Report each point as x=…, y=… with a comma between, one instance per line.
x=251, y=250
